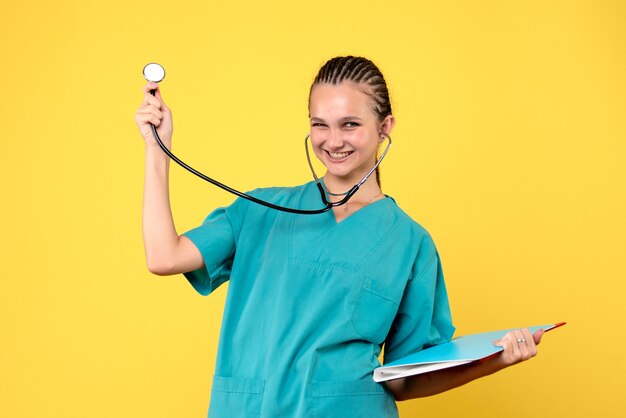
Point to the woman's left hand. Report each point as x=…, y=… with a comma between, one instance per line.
x=519, y=345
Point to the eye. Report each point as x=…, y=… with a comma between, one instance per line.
x=352, y=124
x=317, y=124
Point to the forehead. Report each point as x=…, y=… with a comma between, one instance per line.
x=345, y=97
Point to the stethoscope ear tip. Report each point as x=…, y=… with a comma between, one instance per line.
x=153, y=72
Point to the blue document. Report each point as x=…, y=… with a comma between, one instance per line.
x=460, y=350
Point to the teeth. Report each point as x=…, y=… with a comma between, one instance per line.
x=339, y=154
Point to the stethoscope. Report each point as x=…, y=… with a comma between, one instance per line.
x=155, y=73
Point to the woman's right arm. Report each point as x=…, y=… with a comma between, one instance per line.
x=166, y=252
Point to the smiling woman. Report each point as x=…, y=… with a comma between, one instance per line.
x=356, y=75
x=345, y=133
x=313, y=299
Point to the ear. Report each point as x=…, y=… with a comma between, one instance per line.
x=387, y=125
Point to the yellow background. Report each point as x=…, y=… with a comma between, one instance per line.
x=509, y=148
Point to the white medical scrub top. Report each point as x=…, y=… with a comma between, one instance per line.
x=311, y=301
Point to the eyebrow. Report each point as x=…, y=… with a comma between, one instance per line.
x=344, y=119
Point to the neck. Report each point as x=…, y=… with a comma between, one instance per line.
x=338, y=185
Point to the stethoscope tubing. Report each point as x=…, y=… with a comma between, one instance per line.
x=328, y=205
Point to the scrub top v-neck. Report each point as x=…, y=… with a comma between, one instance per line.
x=311, y=301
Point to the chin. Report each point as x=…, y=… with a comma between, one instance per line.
x=346, y=175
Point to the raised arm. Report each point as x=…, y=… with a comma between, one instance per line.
x=166, y=252
x=517, y=346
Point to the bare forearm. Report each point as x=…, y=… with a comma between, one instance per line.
x=432, y=383
x=159, y=233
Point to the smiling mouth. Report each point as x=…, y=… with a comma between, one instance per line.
x=338, y=155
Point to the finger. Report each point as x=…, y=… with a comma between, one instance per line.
x=526, y=335
x=149, y=99
x=150, y=86
x=152, y=99
x=150, y=110
x=530, y=343
x=152, y=89
x=158, y=95
x=538, y=335
x=154, y=120
x=507, y=348
x=519, y=349
x=155, y=111
x=145, y=118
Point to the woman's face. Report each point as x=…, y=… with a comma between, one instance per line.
x=345, y=131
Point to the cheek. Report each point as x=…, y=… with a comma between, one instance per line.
x=315, y=143
x=365, y=137
x=366, y=141
x=318, y=137
x=372, y=150
x=356, y=135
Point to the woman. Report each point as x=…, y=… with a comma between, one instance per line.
x=313, y=298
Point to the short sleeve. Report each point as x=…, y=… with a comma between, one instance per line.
x=215, y=238
x=423, y=317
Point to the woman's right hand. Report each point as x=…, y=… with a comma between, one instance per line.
x=154, y=111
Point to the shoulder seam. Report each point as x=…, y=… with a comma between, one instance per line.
x=430, y=263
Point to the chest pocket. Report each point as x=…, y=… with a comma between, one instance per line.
x=375, y=286
x=374, y=310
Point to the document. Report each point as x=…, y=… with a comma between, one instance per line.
x=460, y=350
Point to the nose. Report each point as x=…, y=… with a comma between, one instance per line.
x=335, y=139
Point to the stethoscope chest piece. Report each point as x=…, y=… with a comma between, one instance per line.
x=153, y=72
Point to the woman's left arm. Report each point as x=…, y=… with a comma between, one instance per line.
x=518, y=346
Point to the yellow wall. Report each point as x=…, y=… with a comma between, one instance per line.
x=509, y=148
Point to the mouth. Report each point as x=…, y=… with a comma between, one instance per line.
x=338, y=156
